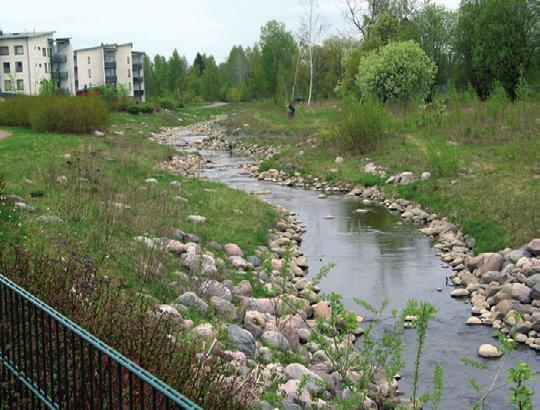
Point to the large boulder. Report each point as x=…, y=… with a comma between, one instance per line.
x=276, y=339
x=241, y=339
x=254, y=322
x=521, y=292
x=494, y=276
x=232, y=249
x=223, y=307
x=296, y=371
x=191, y=300
x=212, y=287
x=490, y=262
x=489, y=351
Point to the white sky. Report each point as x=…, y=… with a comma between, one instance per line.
x=159, y=26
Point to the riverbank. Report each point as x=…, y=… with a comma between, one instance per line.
x=484, y=174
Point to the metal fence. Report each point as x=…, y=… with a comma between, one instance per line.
x=49, y=362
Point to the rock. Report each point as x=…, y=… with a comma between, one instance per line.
x=254, y=260
x=459, y=293
x=241, y=339
x=474, y=320
x=339, y=160
x=276, y=339
x=238, y=262
x=289, y=390
x=98, y=133
x=49, y=219
x=296, y=371
x=243, y=289
x=321, y=309
x=494, y=276
x=489, y=351
x=190, y=299
x=232, y=249
x=62, y=179
x=151, y=181
x=405, y=178
x=521, y=292
x=534, y=247
x=425, y=176
x=254, y=322
x=491, y=262
x=203, y=330
x=302, y=262
x=175, y=184
x=197, y=219
x=168, y=312
x=213, y=288
x=503, y=307
x=223, y=307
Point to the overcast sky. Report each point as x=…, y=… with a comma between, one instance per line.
x=159, y=26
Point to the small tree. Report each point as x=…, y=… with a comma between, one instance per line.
x=400, y=72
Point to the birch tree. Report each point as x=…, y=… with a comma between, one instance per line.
x=311, y=31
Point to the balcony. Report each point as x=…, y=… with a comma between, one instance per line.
x=59, y=58
x=61, y=75
x=110, y=64
x=111, y=78
x=137, y=66
x=138, y=80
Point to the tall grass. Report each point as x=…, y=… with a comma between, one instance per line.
x=65, y=114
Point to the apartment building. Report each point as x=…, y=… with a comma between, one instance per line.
x=110, y=64
x=25, y=60
x=63, y=64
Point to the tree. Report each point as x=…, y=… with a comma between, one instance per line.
x=432, y=28
x=277, y=51
x=209, y=82
x=150, y=86
x=495, y=42
x=199, y=62
x=400, y=71
x=176, y=73
x=311, y=31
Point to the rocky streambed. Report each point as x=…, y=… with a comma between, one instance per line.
x=379, y=258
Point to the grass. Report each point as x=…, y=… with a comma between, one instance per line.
x=113, y=170
x=482, y=156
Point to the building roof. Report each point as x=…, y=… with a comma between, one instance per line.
x=11, y=36
x=114, y=45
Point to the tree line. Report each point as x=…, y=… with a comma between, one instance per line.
x=483, y=43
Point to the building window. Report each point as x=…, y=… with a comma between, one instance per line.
x=18, y=67
x=89, y=73
x=19, y=50
x=129, y=87
x=44, y=52
x=7, y=68
x=20, y=85
x=4, y=51
x=129, y=73
x=46, y=71
x=128, y=60
x=48, y=52
x=8, y=86
x=89, y=60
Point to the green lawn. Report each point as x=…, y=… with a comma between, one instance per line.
x=483, y=158
x=114, y=168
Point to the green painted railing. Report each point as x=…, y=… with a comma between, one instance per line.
x=47, y=361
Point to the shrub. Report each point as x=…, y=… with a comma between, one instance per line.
x=72, y=115
x=359, y=125
x=167, y=103
x=400, y=71
x=45, y=113
x=141, y=108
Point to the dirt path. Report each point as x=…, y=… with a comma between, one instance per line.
x=4, y=134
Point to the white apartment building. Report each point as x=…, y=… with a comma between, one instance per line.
x=110, y=64
x=25, y=60
x=63, y=65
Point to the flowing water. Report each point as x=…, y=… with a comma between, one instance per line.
x=380, y=258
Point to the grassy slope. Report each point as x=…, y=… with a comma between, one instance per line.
x=115, y=166
x=488, y=182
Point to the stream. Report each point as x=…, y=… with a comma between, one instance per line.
x=378, y=257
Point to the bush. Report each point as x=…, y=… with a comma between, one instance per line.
x=359, y=125
x=167, y=103
x=67, y=114
x=141, y=108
